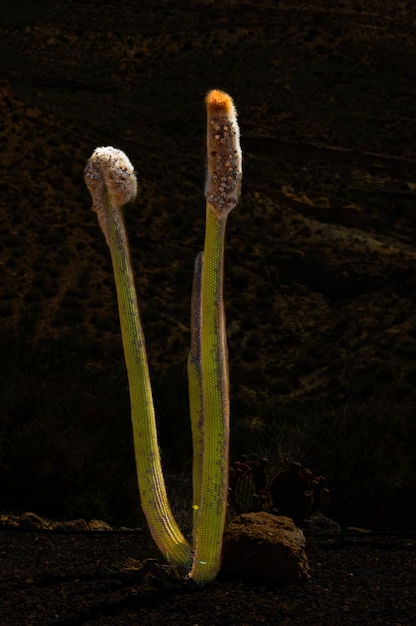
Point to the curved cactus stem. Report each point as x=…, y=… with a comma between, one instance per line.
x=100, y=174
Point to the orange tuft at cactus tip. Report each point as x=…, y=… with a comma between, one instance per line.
x=217, y=101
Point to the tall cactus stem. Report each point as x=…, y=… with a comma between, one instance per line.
x=222, y=192
x=107, y=173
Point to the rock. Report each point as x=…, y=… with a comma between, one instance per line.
x=30, y=520
x=265, y=549
x=33, y=520
x=73, y=524
x=321, y=524
x=27, y=520
x=98, y=524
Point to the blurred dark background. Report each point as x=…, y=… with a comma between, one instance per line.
x=320, y=282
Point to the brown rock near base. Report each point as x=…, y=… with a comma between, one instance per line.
x=98, y=524
x=33, y=520
x=266, y=549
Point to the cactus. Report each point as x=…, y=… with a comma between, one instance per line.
x=293, y=491
x=296, y=492
x=110, y=179
x=248, y=486
x=244, y=492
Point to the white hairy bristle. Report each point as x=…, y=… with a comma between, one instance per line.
x=109, y=173
x=224, y=160
x=110, y=168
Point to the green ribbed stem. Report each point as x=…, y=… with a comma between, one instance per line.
x=162, y=525
x=213, y=491
x=195, y=388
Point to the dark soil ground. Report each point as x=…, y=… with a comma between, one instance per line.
x=320, y=290
x=107, y=579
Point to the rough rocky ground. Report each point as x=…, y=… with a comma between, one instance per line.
x=320, y=253
x=107, y=578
